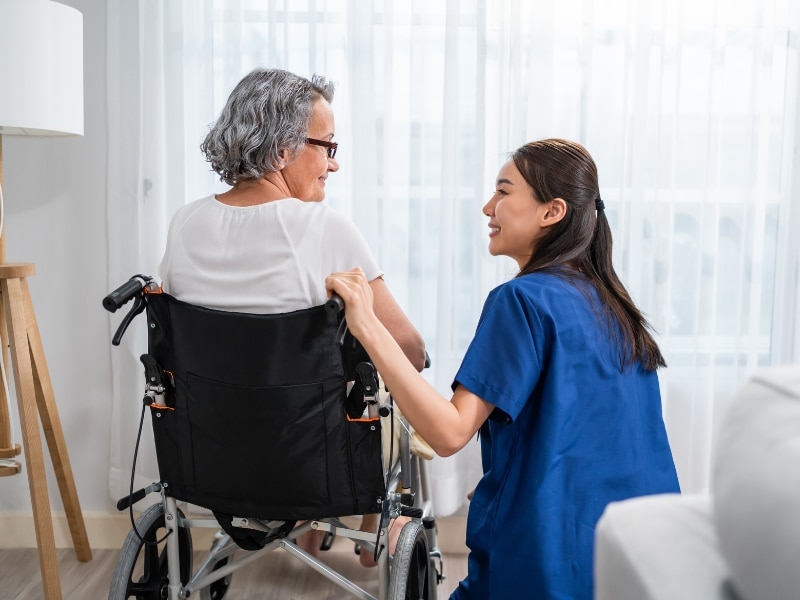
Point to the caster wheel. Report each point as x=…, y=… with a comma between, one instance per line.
x=218, y=589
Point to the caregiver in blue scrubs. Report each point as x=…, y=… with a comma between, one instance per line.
x=560, y=382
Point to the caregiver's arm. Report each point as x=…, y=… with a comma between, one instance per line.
x=394, y=319
x=447, y=425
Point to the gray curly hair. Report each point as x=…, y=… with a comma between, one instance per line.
x=265, y=119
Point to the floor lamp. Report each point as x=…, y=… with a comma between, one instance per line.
x=41, y=76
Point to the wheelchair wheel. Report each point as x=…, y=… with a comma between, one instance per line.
x=142, y=571
x=218, y=589
x=412, y=576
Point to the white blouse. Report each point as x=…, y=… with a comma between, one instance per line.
x=270, y=258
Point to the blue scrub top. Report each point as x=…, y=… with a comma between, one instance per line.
x=570, y=433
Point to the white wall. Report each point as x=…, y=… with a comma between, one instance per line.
x=55, y=192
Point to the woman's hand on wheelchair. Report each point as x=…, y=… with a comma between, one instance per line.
x=352, y=286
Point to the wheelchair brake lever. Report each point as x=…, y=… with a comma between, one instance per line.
x=138, y=306
x=341, y=332
x=368, y=379
x=157, y=381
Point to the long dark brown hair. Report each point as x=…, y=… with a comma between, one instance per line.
x=556, y=168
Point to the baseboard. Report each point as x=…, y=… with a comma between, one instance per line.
x=107, y=531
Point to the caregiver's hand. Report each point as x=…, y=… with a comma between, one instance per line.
x=354, y=289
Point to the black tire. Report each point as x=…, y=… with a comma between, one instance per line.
x=412, y=575
x=218, y=589
x=142, y=571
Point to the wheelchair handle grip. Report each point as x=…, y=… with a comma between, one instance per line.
x=134, y=497
x=335, y=304
x=125, y=292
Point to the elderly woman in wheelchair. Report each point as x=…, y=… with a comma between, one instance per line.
x=264, y=409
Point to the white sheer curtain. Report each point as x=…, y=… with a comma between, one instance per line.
x=689, y=108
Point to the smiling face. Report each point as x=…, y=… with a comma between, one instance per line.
x=306, y=174
x=516, y=218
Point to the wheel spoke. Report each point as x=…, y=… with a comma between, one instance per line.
x=420, y=583
x=152, y=563
x=143, y=589
x=418, y=578
x=149, y=584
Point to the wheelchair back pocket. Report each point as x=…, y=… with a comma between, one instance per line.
x=270, y=452
x=264, y=445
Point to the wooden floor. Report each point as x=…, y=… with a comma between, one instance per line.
x=276, y=576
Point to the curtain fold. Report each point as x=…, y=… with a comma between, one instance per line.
x=689, y=109
x=124, y=224
x=153, y=58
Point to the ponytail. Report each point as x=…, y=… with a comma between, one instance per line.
x=563, y=169
x=633, y=333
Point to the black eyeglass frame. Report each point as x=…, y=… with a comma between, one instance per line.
x=329, y=146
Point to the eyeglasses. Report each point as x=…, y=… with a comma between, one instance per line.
x=331, y=146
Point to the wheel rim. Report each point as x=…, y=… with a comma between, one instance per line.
x=149, y=578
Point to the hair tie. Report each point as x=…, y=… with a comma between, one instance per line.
x=598, y=204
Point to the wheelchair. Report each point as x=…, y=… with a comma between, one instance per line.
x=272, y=426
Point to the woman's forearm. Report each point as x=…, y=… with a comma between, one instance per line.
x=445, y=425
x=394, y=319
x=434, y=417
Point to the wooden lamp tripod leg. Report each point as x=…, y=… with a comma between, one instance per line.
x=32, y=442
x=8, y=450
x=54, y=434
x=35, y=399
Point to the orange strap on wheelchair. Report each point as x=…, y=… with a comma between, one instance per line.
x=363, y=419
x=171, y=377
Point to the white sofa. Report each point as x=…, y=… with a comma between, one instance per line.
x=742, y=542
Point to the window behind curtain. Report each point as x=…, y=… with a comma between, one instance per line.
x=689, y=108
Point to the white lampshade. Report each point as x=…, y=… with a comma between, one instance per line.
x=41, y=68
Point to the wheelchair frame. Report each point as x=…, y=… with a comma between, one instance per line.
x=414, y=571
